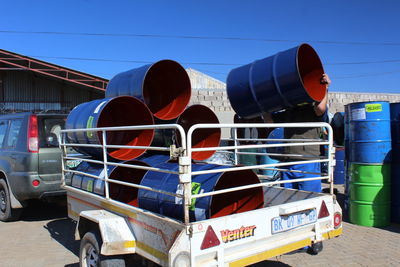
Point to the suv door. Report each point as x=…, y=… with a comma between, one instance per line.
x=49, y=128
x=3, y=132
x=15, y=157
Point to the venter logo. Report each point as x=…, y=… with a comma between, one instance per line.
x=242, y=232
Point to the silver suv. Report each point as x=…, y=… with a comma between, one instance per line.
x=30, y=160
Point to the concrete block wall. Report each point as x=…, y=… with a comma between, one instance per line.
x=218, y=101
x=201, y=80
x=337, y=100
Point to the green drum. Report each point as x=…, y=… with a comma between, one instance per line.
x=248, y=159
x=370, y=194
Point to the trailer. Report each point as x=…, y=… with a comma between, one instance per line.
x=112, y=230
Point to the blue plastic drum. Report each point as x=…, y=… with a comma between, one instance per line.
x=122, y=193
x=270, y=172
x=337, y=124
x=205, y=207
x=164, y=86
x=277, y=133
x=346, y=156
x=370, y=140
x=283, y=80
x=395, y=129
x=338, y=174
x=111, y=112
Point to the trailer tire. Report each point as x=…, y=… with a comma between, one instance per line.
x=315, y=248
x=7, y=213
x=89, y=253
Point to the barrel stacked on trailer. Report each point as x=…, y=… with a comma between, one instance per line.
x=156, y=93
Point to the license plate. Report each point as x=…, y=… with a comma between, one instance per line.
x=291, y=221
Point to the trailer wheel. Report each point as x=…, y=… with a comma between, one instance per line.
x=315, y=248
x=89, y=253
x=6, y=212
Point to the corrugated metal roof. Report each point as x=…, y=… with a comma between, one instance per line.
x=12, y=61
x=28, y=91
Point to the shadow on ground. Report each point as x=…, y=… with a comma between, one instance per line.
x=42, y=211
x=269, y=263
x=63, y=231
x=60, y=227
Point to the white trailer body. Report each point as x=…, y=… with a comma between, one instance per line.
x=290, y=219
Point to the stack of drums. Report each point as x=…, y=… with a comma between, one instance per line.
x=338, y=174
x=346, y=157
x=369, y=156
x=395, y=127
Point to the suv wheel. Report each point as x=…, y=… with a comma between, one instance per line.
x=6, y=212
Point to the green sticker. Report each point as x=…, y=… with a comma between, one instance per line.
x=195, y=190
x=373, y=107
x=89, y=124
x=89, y=186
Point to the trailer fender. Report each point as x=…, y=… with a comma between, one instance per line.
x=117, y=237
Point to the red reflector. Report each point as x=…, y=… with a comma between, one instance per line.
x=323, y=211
x=337, y=219
x=33, y=139
x=35, y=183
x=210, y=239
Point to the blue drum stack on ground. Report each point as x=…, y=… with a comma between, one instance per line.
x=395, y=128
x=346, y=157
x=370, y=140
x=338, y=174
x=370, y=157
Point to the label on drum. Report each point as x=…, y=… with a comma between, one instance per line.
x=373, y=107
x=195, y=190
x=89, y=186
x=358, y=114
x=89, y=124
x=179, y=190
x=99, y=184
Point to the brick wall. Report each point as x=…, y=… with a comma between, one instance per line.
x=338, y=100
x=217, y=100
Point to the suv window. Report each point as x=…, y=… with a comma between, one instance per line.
x=49, y=131
x=3, y=129
x=12, y=138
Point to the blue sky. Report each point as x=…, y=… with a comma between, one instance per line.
x=357, y=41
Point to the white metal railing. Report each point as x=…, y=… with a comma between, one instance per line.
x=104, y=146
x=185, y=172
